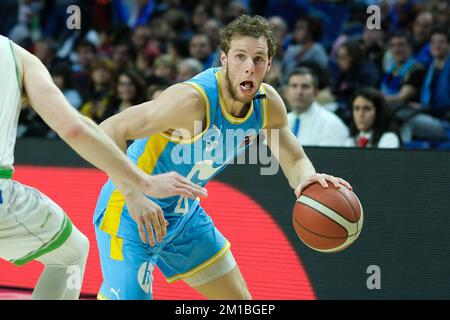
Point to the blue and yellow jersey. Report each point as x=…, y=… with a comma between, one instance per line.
x=199, y=159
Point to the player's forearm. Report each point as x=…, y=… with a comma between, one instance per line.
x=299, y=171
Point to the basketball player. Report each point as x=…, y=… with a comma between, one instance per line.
x=232, y=97
x=33, y=227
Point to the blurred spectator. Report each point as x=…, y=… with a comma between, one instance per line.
x=45, y=50
x=312, y=124
x=165, y=68
x=373, y=44
x=275, y=75
x=288, y=10
x=62, y=78
x=200, y=48
x=178, y=24
x=81, y=70
x=199, y=17
x=436, y=87
x=402, y=14
x=441, y=14
x=432, y=116
x=421, y=36
x=154, y=90
x=354, y=73
x=402, y=82
x=123, y=55
x=235, y=9
x=212, y=30
x=140, y=37
x=99, y=105
x=132, y=13
x=372, y=125
x=305, y=45
x=178, y=48
x=188, y=68
x=279, y=31
x=30, y=123
x=130, y=90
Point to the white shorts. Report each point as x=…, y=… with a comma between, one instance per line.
x=31, y=224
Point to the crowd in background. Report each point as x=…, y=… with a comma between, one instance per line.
x=344, y=83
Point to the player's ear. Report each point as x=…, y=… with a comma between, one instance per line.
x=269, y=65
x=223, y=58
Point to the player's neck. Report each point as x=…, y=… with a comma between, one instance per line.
x=234, y=107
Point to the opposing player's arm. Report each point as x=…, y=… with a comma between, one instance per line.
x=81, y=133
x=293, y=160
x=178, y=107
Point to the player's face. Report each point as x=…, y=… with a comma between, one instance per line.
x=363, y=113
x=245, y=66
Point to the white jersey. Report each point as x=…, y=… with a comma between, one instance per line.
x=9, y=102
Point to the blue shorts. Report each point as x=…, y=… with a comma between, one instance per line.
x=127, y=266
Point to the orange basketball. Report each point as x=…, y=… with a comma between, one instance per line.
x=327, y=219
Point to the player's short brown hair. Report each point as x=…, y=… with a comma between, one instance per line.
x=245, y=25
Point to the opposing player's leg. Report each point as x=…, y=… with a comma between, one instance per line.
x=33, y=227
x=64, y=269
x=200, y=255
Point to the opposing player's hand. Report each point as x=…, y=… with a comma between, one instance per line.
x=172, y=184
x=323, y=179
x=148, y=216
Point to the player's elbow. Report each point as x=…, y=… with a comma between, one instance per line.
x=74, y=130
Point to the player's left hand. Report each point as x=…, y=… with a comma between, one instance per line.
x=323, y=179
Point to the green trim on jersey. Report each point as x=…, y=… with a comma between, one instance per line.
x=6, y=173
x=15, y=64
x=58, y=239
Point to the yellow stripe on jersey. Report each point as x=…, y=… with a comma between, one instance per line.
x=195, y=138
x=225, y=112
x=116, y=248
x=265, y=107
x=153, y=149
x=146, y=162
x=111, y=219
x=202, y=266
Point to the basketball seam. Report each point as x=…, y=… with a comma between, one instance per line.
x=329, y=207
x=351, y=206
x=317, y=234
x=324, y=215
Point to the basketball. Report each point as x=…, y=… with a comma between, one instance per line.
x=327, y=220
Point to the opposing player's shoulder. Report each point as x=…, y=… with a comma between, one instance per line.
x=277, y=108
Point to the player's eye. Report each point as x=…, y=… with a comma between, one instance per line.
x=259, y=60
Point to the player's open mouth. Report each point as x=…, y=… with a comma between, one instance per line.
x=247, y=86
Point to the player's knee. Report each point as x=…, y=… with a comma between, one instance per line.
x=82, y=246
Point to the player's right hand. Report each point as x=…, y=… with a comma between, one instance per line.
x=172, y=184
x=148, y=216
